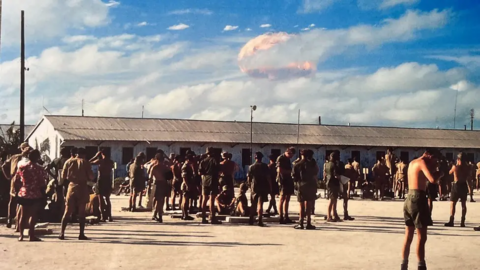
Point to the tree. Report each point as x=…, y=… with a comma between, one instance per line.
x=10, y=140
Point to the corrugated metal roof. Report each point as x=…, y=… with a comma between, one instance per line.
x=170, y=130
x=28, y=128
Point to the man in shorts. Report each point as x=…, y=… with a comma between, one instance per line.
x=380, y=172
x=305, y=175
x=259, y=180
x=137, y=180
x=401, y=178
x=461, y=173
x=416, y=211
x=188, y=185
x=209, y=169
x=104, y=183
x=177, y=182
x=274, y=191
x=286, y=185
x=332, y=181
x=158, y=175
x=78, y=171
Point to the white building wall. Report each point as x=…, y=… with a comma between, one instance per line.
x=46, y=140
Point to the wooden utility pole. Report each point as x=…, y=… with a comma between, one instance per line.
x=22, y=79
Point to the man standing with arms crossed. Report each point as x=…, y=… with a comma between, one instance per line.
x=416, y=211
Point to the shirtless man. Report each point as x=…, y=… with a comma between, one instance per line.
x=78, y=171
x=137, y=180
x=390, y=163
x=332, y=182
x=104, y=183
x=177, y=182
x=471, y=180
x=461, y=173
x=380, y=171
x=158, y=174
x=227, y=172
x=188, y=185
x=416, y=212
x=286, y=185
x=401, y=178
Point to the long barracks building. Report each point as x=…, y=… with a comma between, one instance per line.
x=125, y=137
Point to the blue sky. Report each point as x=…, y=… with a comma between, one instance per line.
x=378, y=62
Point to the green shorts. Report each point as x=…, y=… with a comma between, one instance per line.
x=459, y=192
x=416, y=211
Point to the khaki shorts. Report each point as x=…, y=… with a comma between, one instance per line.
x=416, y=211
x=77, y=198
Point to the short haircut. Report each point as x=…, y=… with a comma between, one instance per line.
x=34, y=155
x=272, y=157
x=434, y=152
x=349, y=160
x=81, y=151
x=258, y=155
x=73, y=151
x=292, y=150
x=189, y=157
x=209, y=150
x=308, y=154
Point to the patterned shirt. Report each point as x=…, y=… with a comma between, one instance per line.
x=33, y=178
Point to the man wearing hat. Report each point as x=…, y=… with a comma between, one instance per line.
x=224, y=201
x=9, y=169
x=305, y=175
x=227, y=167
x=209, y=169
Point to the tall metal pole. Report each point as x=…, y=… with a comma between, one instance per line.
x=143, y=108
x=83, y=111
x=22, y=79
x=455, y=110
x=251, y=134
x=298, y=128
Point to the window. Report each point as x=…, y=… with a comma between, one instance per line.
x=184, y=150
x=380, y=155
x=276, y=153
x=91, y=151
x=471, y=157
x=127, y=155
x=246, y=159
x=356, y=155
x=405, y=156
x=449, y=156
x=151, y=151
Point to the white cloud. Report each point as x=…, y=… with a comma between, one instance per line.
x=142, y=24
x=112, y=3
x=305, y=29
x=384, y=4
x=248, y=29
x=45, y=20
x=266, y=25
x=462, y=85
x=310, y=6
x=319, y=44
x=177, y=27
x=471, y=61
x=391, y=3
x=78, y=39
x=312, y=25
x=230, y=28
x=191, y=11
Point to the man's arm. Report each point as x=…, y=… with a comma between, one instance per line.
x=453, y=169
x=95, y=158
x=6, y=168
x=65, y=169
x=426, y=172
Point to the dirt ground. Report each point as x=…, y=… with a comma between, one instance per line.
x=133, y=241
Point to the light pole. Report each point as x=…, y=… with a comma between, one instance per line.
x=252, y=108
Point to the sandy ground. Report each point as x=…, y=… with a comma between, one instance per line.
x=133, y=241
